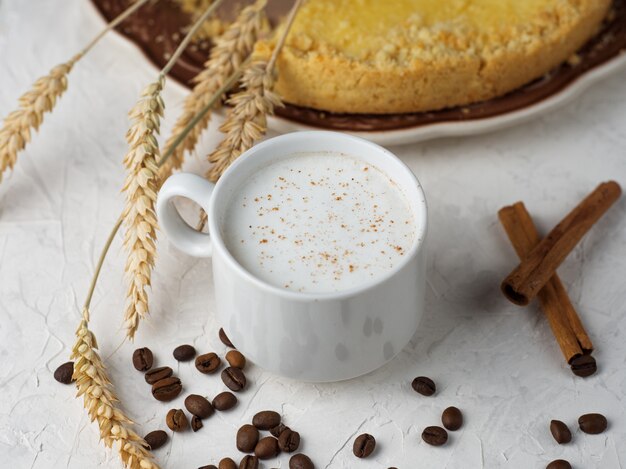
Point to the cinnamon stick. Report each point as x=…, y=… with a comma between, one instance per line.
x=538, y=265
x=562, y=317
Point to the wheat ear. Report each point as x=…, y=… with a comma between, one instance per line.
x=141, y=187
x=102, y=404
x=41, y=98
x=228, y=53
x=247, y=119
x=16, y=131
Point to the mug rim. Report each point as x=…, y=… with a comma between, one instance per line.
x=219, y=245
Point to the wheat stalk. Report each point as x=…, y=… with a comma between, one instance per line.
x=227, y=55
x=41, y=98
x=16, y=131
x=246, y=121
x=101, y=402
x=90, y=373
x=141, y=187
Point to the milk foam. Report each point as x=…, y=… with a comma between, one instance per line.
x=318, y=222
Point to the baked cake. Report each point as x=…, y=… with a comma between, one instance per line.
x=377, y=56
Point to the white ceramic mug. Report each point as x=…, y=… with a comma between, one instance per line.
x=308, y=336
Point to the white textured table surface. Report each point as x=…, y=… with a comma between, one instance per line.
x=498, y=363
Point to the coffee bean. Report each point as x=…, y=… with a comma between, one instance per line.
x=196, y=423
x=266, y=448
x=143, y=359
x=156, y=439
x=224, y=401
x=63, y=374
x=208, y=363
x=167, y=389
x=249, y=462
x=176, y=420
x=584, y=365
x=300, y=461
x=452, y=418
x=363, y=445
x=278, y=429
x=157, y=374
x=224, y=338
x=266, y=419
x=210, y=466
x=236, y=359
x=423, y=385
x=184, y=353
x=288, y=441
x=559, y=464
x=234, y=379
x=560, y=432
x=227, y=463
x=247, y=438
x=198, y=406
x=435, y=436
x=592, y=423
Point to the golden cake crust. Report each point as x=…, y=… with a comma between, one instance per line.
x=434, y=68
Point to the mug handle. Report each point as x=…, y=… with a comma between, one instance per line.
x=183, y=236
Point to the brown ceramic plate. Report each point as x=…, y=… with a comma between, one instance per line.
x=157, y=31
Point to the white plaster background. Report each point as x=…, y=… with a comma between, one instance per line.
x=495, y=361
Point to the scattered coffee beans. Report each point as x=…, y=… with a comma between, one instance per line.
x=143, y=359
x=236, y=359
x=266, y=448
x=176, y=420
x=247, y=438
x=156, y=439
x=224, y=401
x=208, y=363
x=234, y=379
x=364, y=445
x=265, y=420
x=167, y=389
x=249, y=462
x=452, y=419
x=559, y=464
x=227, y=463
x=288, y=440
x=560, y=432
x=210, y=466
x=584, y=365
x=196, y=423
x=278, y=429
x=63, y=374
x=435, y=436
x=224, y=338
x=157, y=374
x=198, y=406
x=184, y=353
x=423, y=385
x=592, y=423
x=300, y=461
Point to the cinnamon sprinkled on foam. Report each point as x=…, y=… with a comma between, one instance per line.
x=319, y=223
